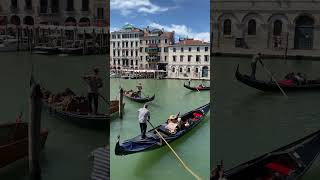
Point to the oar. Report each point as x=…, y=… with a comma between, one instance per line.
x=181, y=161
x=274, y=80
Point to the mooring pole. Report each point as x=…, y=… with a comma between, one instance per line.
x=120, y=104
x=34, y=132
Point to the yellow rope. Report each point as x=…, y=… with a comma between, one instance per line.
x=183, y=163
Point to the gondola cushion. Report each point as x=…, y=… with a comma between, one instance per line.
x=279, y=168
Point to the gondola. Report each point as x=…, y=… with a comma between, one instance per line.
x=76, y=112
x=138, y=99
x=272, y=86
x=153, y=141
x=14, y=142
x=196, y=88
x=288, y=162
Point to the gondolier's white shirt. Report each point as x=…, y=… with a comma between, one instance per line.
x=144, y=115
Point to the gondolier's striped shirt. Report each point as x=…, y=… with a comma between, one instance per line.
x=101, y=164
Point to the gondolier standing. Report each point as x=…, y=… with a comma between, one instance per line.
x=143, y=116
x=254, y=61
x=139, y=86
x=94, y=84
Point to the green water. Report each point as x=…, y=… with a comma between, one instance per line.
x=249, y=123
x=171, y=98
x=65, y=155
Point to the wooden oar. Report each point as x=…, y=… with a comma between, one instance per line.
x=181, y=161
x=274, y=80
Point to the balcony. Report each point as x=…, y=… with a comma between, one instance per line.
x=153, y=59
x=153, y=50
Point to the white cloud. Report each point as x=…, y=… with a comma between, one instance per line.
x=112, y=29
x=183, y=31
x=142, y=6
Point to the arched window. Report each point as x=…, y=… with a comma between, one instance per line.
x=173, y=69
x=277, y=28
x=252, y=27
x=227, y=27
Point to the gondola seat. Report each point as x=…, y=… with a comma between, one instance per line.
x=279, y=168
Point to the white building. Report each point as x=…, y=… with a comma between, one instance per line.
x=124, y=48
x=189, y=59
x=240, y=26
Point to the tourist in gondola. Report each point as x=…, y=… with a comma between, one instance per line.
x=255, y=60
x=143, y=116
x=94, y=84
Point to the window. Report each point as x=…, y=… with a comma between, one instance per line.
x=136, y=53
x=173, y=69
x=114, y=62
x=55, y=6
x=252, y=27
x=181, y=58
x=141, y=58
x=165, y=49
x=180, y=69
x=174, y=49
x=174, y=58
x=206, y=49
x=70, y=6
x=189, y=58
x=189, y=49
x=114, y=52
x=118, y=44
x=206, y=58
x=118, y=61
x=165, y=58
x=197, y=58
x=14, y=4
x=100, y=13
x=114, y=44
x=119, y=36
x=131, y=43
x=85, y=5
x=188, y=70
x=198, y=49
x=277, y=28
x=166, y=41
x=28, y=4
x=140, y=41
x=181, y=49
x=136, y=62
x=131, y=63
x=227, y=27
x=197, y=70
x=146, y=41
x=43, y=6
x=136, y=43
x=131, y=53
x=127, y=44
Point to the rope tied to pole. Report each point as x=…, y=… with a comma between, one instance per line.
x=177, y=156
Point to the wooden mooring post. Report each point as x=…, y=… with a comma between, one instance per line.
x=34, y=132
x=120, y=103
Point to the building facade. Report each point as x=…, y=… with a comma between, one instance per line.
x=189, y=59
x=124, y=48
x=273, y=27
x=53, y=12
x=154, y=46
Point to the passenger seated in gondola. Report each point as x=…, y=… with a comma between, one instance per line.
x=172, y=124
x=300, y=79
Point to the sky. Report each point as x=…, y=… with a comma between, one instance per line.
x=188, y=18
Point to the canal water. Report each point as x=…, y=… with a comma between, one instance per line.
x=248, y=123
x=68, y=146
x=171, y=98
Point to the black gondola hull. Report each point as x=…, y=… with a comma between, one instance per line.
x=141, y=100
x=196, y=89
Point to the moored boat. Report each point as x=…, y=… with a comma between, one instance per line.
x=153, y=141
x=272, y=86
x=288, y=162
x=74, y=109
x=14, y=142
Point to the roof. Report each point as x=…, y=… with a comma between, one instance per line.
x=190, y=42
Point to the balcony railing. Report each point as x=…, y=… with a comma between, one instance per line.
x=151, y=59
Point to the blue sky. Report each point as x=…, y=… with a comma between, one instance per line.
x=186, y=17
